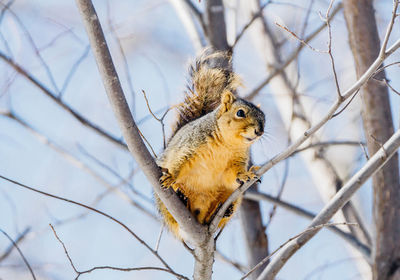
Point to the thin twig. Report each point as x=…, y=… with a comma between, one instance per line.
x=304, y=42
x=79, y=273
x=328, y=144
x=383, y=50
x=73, y=70
x=160, y=120
x=71, y=158
x=20, y=237
x=61, y=103
x=347, y=104
x=159, y=237
x=386, y=66
x=122, y=52
x=35, y=48
x=20, y=252
x=148, y=143
x=141, y=241
x=385, y=82
x=291, y=57
x=252, y=20
x=326, y=19
x=115, y=173
x=225, y=259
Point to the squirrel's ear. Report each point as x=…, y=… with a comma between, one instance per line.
x=226, y=100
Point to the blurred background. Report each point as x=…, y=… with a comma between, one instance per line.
x=51, y=97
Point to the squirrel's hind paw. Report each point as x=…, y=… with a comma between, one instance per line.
x=182, y=197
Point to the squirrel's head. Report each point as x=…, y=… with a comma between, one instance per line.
x=240, y=120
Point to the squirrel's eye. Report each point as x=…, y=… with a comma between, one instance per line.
x=240, y=113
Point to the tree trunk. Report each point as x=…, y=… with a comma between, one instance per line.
x=254, y=233
x=378, y=127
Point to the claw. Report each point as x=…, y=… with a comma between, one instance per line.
x=164, y=170
x=166, y=180
x=229, y=211
x=182, y=197
x=248, y=175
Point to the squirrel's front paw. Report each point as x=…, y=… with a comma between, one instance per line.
x=166, y=180
x=244, y=177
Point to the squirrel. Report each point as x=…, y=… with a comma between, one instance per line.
x=207, y=157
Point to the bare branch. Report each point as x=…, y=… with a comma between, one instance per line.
x=385, y=82
x=286, y=153
x=351, y=239
x=83, y=166
x=61, y=103
x=94, y=210
x=304, y=42
x=326, y=19
x=72, y=71
x=79, y=273
x=308, y=230
x=20, y=252
x=11, y=247
x=329, y=144
x=251, y=21
x=122, y=52
x=376, y=162
x=291, y=57
x=225, y=259
x=389, y=29
x=35, y=48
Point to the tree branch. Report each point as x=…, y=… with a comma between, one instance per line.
x=20, y=252
x=375, y=163
x=128, y=126
x=94, y=210
x=291, y=57
x=286, y=153
x=351, y=239
x=308, y=230
x=59, y=101
x=378, y=127
x=125, y=269
x=18, y=240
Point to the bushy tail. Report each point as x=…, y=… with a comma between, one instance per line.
x=210, y=76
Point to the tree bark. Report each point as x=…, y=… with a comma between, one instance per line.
x=215, y=25
x=254, y=233
x=378, y=127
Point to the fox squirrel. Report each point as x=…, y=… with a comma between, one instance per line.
x=207, y=157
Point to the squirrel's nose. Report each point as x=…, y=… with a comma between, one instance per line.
x=258, y=132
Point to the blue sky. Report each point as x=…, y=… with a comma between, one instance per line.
x=157, y=49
